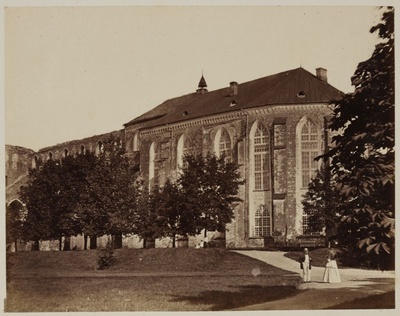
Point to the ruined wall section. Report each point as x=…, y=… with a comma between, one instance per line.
x=74, y=147
x=18, y=161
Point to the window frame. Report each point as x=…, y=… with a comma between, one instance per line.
x=262, y=158
x=262, y=221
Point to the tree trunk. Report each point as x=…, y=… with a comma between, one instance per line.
x=85, y=237
x=286, y=232
x=60, y=243
x=149, y=243
x=205, y=241
x=173, y=241
x=392, y=257
x=35, y=245
x=117, y=240
x=67, y=243
x=16, y=245
x=93, y=242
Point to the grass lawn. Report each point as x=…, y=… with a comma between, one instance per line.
x=180, y=279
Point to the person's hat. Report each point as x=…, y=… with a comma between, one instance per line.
x=305, y=249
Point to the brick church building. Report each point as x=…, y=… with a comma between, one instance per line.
x=272, y=127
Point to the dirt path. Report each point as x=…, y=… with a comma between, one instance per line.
x=318, y=295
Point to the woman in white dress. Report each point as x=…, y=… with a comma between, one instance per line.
x=331, y=273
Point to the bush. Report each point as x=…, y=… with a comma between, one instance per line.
x=359, y=258
x=107, y=257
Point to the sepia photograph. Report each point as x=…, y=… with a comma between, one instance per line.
x=171, y=156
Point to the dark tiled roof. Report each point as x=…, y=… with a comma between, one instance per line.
x=162, y=109
x=297, y=86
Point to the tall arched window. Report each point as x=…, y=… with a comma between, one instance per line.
x=151, y=164
x=136, y=141
x=309, y=150
x=262, y=172
x=35, y=162
x=187, y=146
x=14, y=160
x=100, y=148
x=154, y=158
x=225, y=146
x=262, y=225
x=179, y=151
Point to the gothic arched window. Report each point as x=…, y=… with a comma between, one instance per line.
x=136, y=141
x=187, y=146
x=154, y=160
x=262, y=225
x=262, y=159
x=225, y=146
x=100, y=148
x=309, y=150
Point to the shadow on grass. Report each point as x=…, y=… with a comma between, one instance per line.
x=247, y=295
x=379, y=301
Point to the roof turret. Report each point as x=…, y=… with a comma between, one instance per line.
x=202, y=88
x=202, y=83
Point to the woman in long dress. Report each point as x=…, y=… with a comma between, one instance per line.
x=331, y=273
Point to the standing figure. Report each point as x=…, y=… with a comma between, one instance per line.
x=305, y=265
x=331, y=273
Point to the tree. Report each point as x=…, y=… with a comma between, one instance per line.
x=75, y=172
x=209, y=186
x=52, y=196
x=107, y=205
x=173, y=217
x=321, y=204
x=363, y=156
x=81, y=194
x=146, y=220
x=41, y=198
x=15, y=217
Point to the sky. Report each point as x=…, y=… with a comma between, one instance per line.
x=74, y=72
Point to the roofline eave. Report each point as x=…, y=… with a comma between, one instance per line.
x=239, y=110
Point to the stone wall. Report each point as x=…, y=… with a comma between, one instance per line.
x=18, y=161
x=283, y=198
x=74, y=147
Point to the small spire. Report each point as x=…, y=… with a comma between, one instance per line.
x=202, y=82
x=202, y=88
